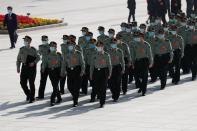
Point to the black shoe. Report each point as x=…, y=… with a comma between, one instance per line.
x=143, y=94
x=92, y=100
x=62, y=92
x=27, y=98
x=31, y=100
x=124, y=93
x=115, y=100
x=12, y=47
x=152, y=80
x=58, y=101
x=39, y=98
x=101, y=105
x=139, y=91
x=52, y=103
x=162, y=87
x=75, y=104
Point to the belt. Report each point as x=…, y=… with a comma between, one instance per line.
x=98, y=69
x=72, y=68
x=53, y=68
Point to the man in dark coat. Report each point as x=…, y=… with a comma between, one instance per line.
x=161, y=10
x=190, y=4
x=175, y=6
x=131, y=6
x=151, y=4
x=10, y=21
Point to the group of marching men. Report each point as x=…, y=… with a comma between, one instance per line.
x=111, y=61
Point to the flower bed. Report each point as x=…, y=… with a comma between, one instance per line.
x=28, y=22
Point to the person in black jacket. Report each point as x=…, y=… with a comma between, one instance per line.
x=161, y=10
x=190, y=4
x=175, y=6
x=151, y=4
x=131, y=6
x=10, y=21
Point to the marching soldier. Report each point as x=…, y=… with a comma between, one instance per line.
x=128, y=62
x=82, y=39
x=111, y=33
x=163, y=57
x=150, y=38
x=191, y=47
x=118, y=68
x=123, y=32
x=29, y=58
x=178, y=51
x=100, y=72
x=64, y=50
x=74, y=66
x=182, y=31
x=43, y=51
x=102, y=37
x=143, y=60
x=53, y=63
x=142, y=28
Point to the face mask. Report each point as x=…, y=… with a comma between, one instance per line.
x=70, y=48
x=88, y=38
x=157, y=21
x=128, y=30
x=134, y=28
x=65, y=41
x=173, y=32
x=83, y=33
x=123, y=28
x=26, y=43
x=99, y=49
x=142, y=30
x=137, y=39
x=152, y=24
x=151, y=34
x=114, y=46
x=161, y=36
x=101, y=32
x=92, y=46
x=183, y=24
x=192, y=15
x=52, y=49
x=44, y=42
x=10, y=11
x=165, y=29
x=111, y=35
x=191, y=27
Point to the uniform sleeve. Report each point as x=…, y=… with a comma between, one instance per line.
x=44, y=64
x=150, y=54
x=18, y=61
x=109, y=64
x=122, y=61
x=131, y=48
x=63, y=68
x=170, y=51
x=92, y=65
x=182, y=45
x=82, y=62
x=128, y=54
x=37, y=57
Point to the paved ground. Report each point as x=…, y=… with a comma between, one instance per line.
x=173, y=109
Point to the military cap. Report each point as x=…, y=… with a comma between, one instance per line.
x=72, y=37
x=150, y=28
x=143, y=26
x=134, y=23
x=173, y=27
x=111, y=30
x=27, y=38
x=53, y=43
x=99, y=43
x=92, y=41
x=44, y=37
x=123, y=24
x=65, y=37
x=161, y=31
x=113, y=40
x=118, y=36
x=101, y=28
x=84, y=29
x=136, y=33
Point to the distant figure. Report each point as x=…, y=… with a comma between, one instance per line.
x=10, y=21
x=190, y=4
x=131, y=6
x=161, y=10
x=151, y=4
x=175, y=6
